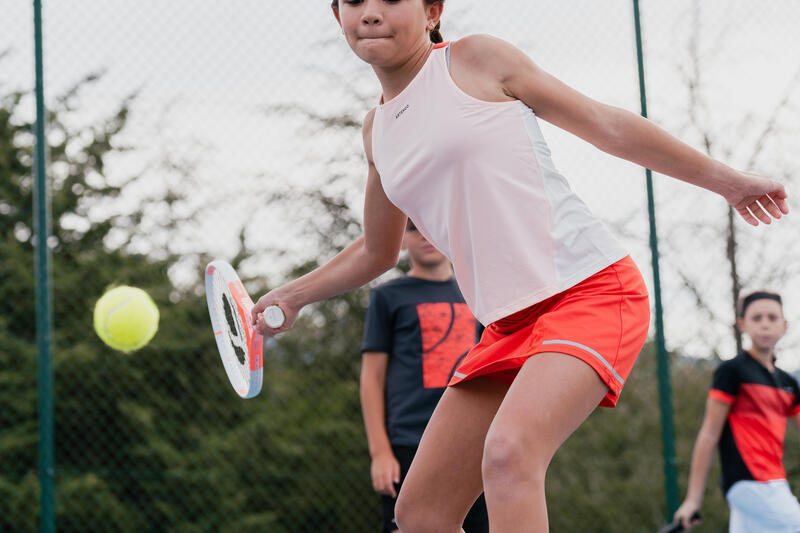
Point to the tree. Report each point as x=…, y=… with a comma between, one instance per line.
x=743, y=259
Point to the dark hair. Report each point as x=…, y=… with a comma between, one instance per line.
x=745, y=301
x=435, y=33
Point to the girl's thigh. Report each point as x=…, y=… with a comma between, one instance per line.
x=446, y=472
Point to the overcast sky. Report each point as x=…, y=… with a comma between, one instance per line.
x=206, y=71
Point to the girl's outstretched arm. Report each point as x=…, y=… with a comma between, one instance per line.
x=362, y=261
x=620, y=132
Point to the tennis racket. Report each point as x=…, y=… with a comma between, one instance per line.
x=677, y=527
x=240, y=346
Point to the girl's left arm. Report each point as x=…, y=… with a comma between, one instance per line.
x=624, y=134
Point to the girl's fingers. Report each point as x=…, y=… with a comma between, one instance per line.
x=261, y=326
x=258, y=308
x=264, y=329
x=770, y=206
x=763, y=209
x=780, y=201
x=747, y=216
x=759, y=212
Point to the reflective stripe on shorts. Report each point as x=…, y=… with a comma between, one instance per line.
x=594, y=353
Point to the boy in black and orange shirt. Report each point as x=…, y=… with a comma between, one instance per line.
x=746, y=412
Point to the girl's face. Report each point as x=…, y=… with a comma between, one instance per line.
x=764, y=323
x=385, y=33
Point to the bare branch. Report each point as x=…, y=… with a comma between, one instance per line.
x=770, y=128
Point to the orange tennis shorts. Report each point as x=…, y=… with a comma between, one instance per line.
x=602, y=321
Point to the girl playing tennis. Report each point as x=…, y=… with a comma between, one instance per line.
x=454, y=145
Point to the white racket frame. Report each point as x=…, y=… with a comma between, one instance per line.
x=254, y=340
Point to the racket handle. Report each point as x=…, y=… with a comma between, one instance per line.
x=274, y=317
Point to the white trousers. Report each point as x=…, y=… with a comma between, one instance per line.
x=763, y=507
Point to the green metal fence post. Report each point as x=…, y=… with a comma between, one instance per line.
x=667, y=428
x=44, y=322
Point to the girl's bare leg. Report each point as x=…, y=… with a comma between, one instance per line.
x=445, y=477
x=550, y=397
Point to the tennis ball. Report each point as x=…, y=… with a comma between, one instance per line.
x=125, y=318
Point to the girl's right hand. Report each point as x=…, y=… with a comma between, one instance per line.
x=281, y=298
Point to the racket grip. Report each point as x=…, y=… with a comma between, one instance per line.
x=274, y=317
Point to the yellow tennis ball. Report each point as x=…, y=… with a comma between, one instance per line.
x=125, y=318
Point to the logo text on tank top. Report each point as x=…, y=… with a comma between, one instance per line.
x=402, y=111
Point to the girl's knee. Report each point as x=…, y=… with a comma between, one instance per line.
x=402, y=508
x=414, y=516
x=408, y=515
x=508, y=460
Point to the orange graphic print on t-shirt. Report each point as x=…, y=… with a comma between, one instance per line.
x=448, y=333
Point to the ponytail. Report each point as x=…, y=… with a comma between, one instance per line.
x=436, y=35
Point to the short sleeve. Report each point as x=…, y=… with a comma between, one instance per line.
x=725, y=384
x=378, y=325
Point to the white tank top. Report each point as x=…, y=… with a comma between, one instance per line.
x=477, y=180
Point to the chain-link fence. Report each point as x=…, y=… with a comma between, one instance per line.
x=184, y=131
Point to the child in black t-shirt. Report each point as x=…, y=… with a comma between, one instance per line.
x=746, y=412
x=418, y=329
